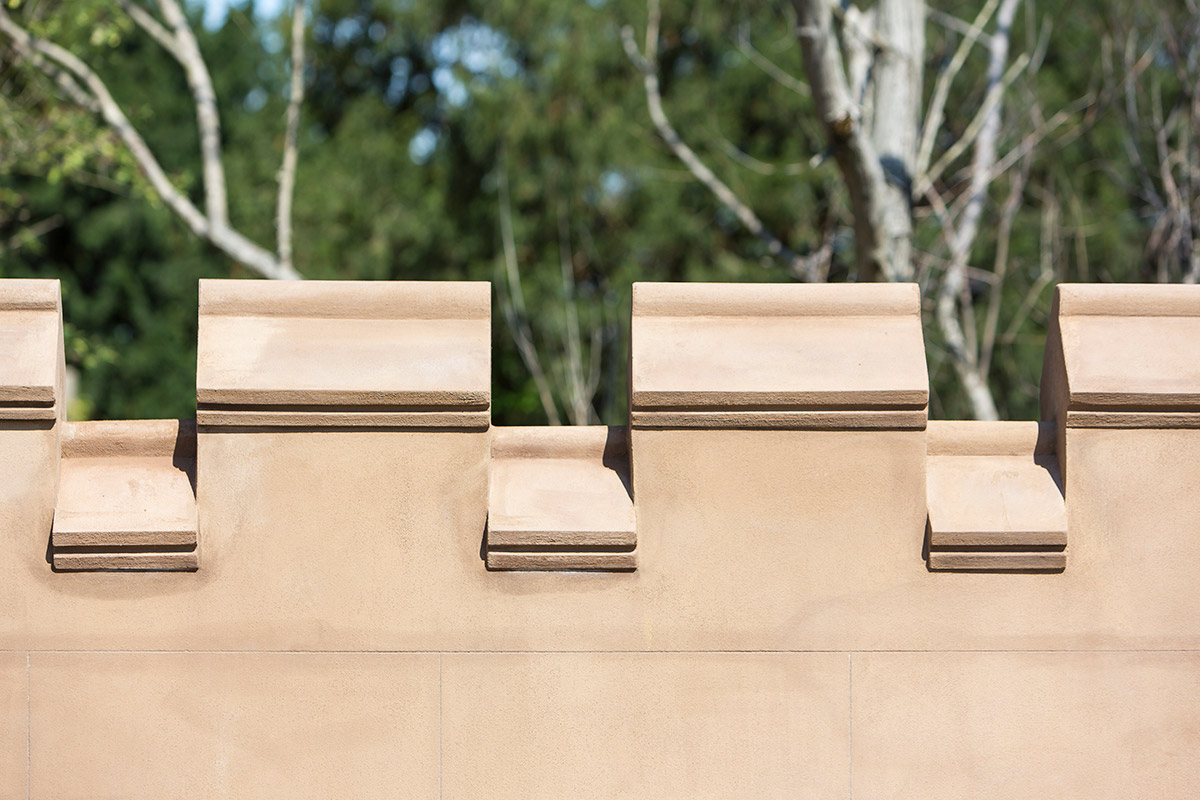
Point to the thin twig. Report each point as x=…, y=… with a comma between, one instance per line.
x=955, y=24
x=741, y=157
x=941, y=91
x=580, y=406
x=287, y=172
x=780, y=75
x=512, y=302
x=990, y=101
x=1008, y=215
x=187, y=51
x=647, y=62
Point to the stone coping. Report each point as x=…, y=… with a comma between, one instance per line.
x=560, y=500
x=1123, y=356
x=974, y=438
x=31, y=344
x=777, y=356
x=126, y=497
x=995, y=497
x=392, y=354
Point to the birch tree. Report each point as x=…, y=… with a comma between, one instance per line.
x=78, y=83
x=864, y=71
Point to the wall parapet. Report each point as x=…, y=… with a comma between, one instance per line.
x=763, y=356
x=338, y=353
x=416, y=356
x=316, y=584
x=33, y=366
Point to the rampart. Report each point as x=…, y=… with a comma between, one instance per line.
x=781, y=580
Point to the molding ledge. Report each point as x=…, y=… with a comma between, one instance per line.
x=778, y=356
x=126, y=497
x=330, y=354
x=560, y=500
x=995, y=498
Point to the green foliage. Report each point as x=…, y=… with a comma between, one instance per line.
x=413, y=113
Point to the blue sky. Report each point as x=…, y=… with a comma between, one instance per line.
x=215, y=10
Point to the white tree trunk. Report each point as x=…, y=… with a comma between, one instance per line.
x=896, y=122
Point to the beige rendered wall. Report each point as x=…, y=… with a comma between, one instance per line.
x=782, y=634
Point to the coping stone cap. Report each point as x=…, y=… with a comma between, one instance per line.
x=32, y=367
x=559, y=500
x=341, y=353
x=1123, y=356
x=835, y=356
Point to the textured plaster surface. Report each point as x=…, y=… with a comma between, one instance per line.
x=636, y=725
x=233, y=725
x=781, y=636
x=14, y=713
x=755, y=540
x=1003, y=725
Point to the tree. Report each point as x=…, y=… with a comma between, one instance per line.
x=80, y=84
x=513, y=141
x=865, y=80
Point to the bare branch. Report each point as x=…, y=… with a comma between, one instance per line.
x=1049, y=233
x=953, y=23
x=580, y=405
x=647, y=62
x=1035, y=137
x=741, y=157
x=62, y=79
x=187, y=52
x=882, y=219
x=146, y=21
x=287, y=172
x=941, y=91
x=962, y=355
x=991, y=101
x=28, y=234
x=860, y=44
x=24, y=42
x=1008, y=215
x=223, y=237
x=782, y=77
x=955, y=296
x=984, y=157
x=512, y=303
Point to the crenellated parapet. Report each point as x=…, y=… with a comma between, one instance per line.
x=807, y=362
x=781, y=574
x=126, y=497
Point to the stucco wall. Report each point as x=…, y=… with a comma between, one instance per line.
x=776, y=630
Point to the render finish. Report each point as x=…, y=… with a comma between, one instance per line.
x=344, y=585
